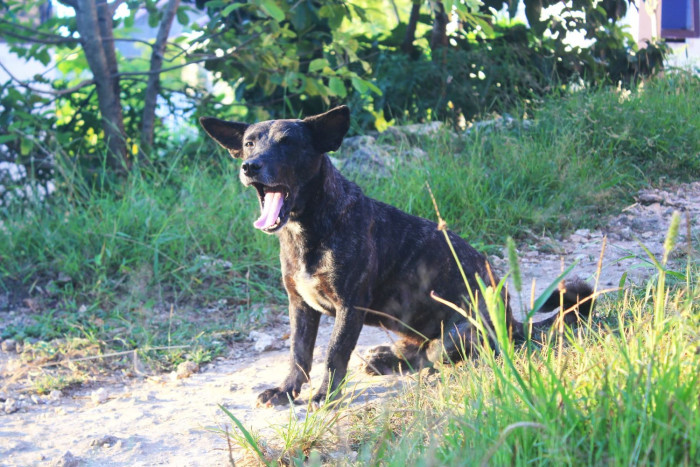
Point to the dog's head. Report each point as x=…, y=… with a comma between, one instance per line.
x=279, y=156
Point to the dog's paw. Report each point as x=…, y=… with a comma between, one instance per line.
x=381, y=360
x=275, y=396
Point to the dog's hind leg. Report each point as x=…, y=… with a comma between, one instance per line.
x=457, y=343
x=404, y=355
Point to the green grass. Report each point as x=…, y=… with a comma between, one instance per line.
x=142, y=264
x=586, y=154
x=137, y=264
x=622, y=389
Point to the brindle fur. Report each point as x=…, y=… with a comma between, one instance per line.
x=343, y=253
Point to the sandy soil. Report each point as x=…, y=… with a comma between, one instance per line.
x=168, y=421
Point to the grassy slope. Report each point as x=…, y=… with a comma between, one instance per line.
x=128, y=253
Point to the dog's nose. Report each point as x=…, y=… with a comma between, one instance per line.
x=251, y=168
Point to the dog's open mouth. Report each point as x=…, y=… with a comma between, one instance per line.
x=274, y=212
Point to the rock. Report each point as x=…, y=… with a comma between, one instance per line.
x=100, y=396
x=55, y=395
x=106, y=440
x=11, y=406
x=362, y=155
x=9, y=345
x=186, y=369
x=66, y=460
x=210, y=265
x=264, y=342
x=506, y=122
x=416, y=129
x=647, y=197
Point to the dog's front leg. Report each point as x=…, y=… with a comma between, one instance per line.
x=304, y=323
x=346, y=331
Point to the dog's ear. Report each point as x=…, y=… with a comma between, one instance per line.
x=227, y=134
x=328, y=129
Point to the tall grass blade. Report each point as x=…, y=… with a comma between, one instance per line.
x=247, y=435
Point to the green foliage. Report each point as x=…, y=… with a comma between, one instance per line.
x=285, y=58
x=289, y=57
x=498, y=73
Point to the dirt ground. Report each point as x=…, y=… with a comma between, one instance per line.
x=164, y=420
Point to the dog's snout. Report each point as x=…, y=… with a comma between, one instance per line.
x=251, y=168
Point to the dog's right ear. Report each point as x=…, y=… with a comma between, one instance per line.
x=328, y=129
x=227, y=134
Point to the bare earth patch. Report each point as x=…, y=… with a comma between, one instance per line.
x=168, y=419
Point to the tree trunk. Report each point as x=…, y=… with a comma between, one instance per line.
x=533, y=12
x=438, y=38
x=410, y=36
x=94, y=21
x=153, y=86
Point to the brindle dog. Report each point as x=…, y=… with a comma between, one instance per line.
x=344, y=254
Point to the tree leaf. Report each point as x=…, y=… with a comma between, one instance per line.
x=230, y=8
x=362, y=86
x=182, y=17
x=337, y=87
x=25, y=146
x=318, y=64
x=272, y=9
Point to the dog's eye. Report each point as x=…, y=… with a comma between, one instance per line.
x=249, y=144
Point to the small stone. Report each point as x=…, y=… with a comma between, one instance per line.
x=106, y=440
x=649, y=198
x=64, y=278
x=100, y=396
x=265, y=342
x=186, y=369
x=66, y=460
x=11, y=406
x=9, y=345
x=55, y=395
x=148, y=397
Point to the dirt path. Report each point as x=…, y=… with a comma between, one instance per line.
x=168, y=421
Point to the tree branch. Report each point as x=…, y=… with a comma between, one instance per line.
x=50, y=41
x=71, y=3
x=174, y=67
x=153, y=85
x=52, y=92
x=114, y=5
x=30, y=30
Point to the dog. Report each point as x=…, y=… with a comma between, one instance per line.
x=357, y=259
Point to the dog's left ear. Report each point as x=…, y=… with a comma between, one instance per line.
x=227, y=134
x=328, y=129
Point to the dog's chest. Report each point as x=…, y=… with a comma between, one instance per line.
x=315, y=284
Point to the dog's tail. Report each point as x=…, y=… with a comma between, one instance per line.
x=575, y=300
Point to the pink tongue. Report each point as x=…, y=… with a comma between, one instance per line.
x=270, y=211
